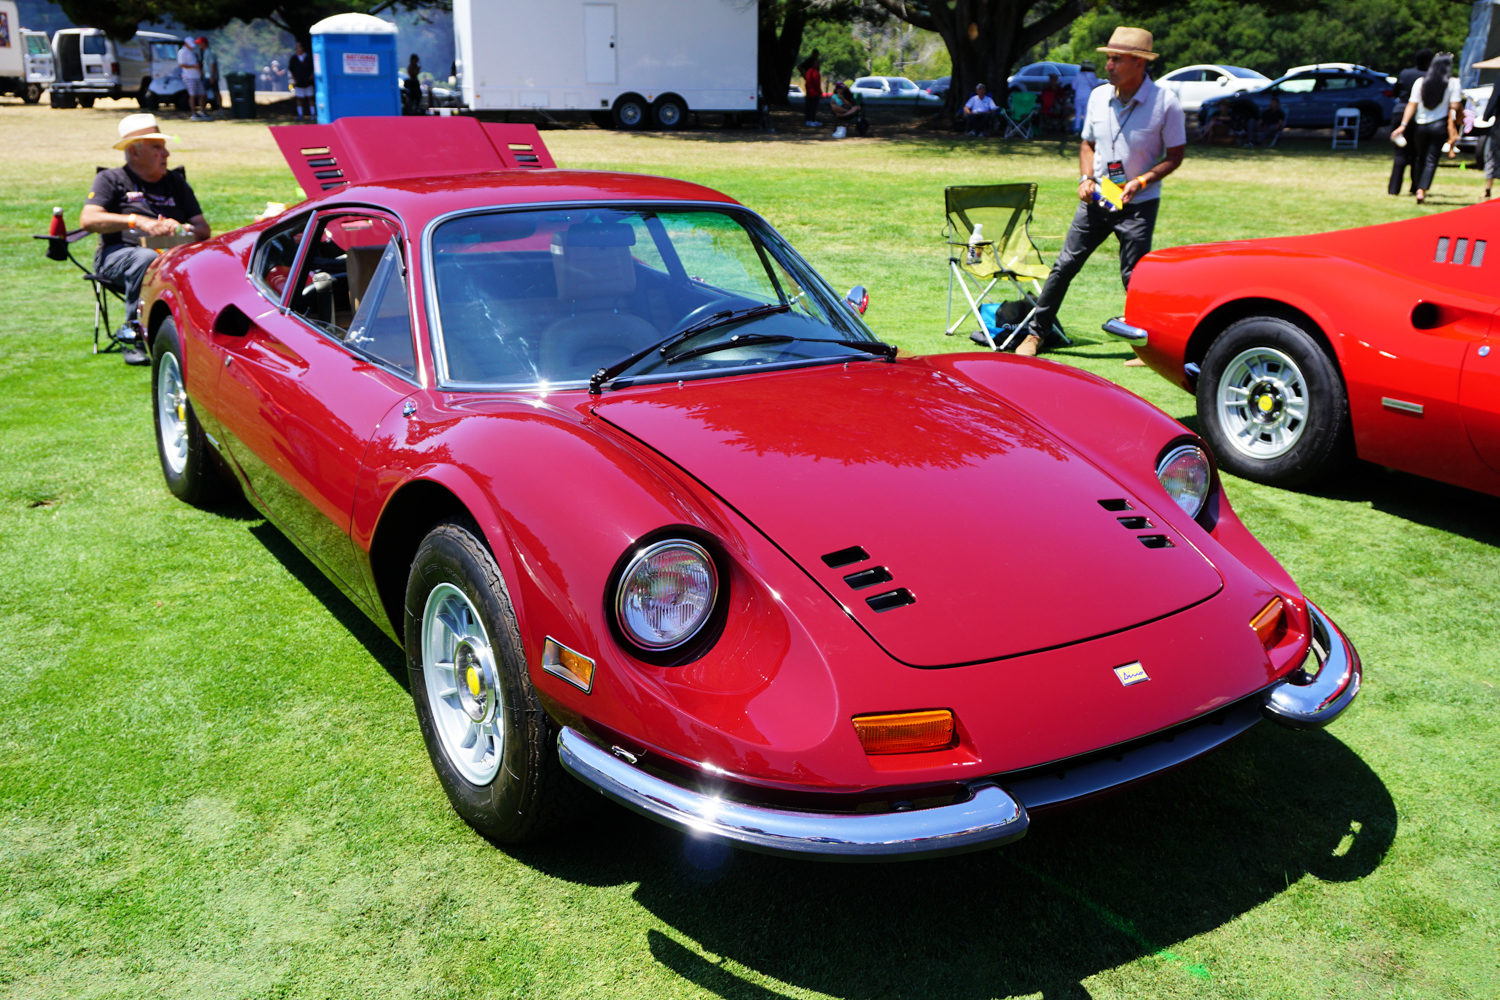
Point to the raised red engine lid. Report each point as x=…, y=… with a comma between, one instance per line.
x=945, y=522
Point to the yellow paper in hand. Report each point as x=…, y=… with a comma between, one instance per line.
x=1112, y=193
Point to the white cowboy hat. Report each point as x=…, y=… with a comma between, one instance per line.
x=134, y=128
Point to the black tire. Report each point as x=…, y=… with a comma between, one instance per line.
x=529, y=793
x=187, y=465
x=668, y=112
x=32, y=94
x=631, y=112
x=85, y=100
x=149, y=101
x=181, y=101
x=1369, y=123
x=1293, y=424
x=62, y=101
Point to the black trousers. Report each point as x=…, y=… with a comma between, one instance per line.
x=812, y=101
x=1427, y=146
x=1402, y=159
x=1132, y=226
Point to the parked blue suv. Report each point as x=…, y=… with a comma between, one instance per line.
x=1310, y=97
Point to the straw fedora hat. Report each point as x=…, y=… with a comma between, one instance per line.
x=1130, y=42
x=1488, y=64
x=134, y=128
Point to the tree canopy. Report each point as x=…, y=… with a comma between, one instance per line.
x=120, y=18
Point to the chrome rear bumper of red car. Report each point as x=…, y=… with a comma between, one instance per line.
x=989, y=818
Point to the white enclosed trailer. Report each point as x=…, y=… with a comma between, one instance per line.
x=630, y=63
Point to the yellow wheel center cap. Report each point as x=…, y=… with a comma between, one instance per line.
x=471, y=676
x=1265, y=403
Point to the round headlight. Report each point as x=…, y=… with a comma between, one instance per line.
x=666, y=594
x=1185, y=475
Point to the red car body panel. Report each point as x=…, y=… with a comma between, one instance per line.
x=974, y=478
x=1359, y=287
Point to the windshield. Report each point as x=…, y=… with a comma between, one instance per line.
x=551, y=296
x=36, y=45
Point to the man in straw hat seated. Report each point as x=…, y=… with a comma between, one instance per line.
x=1134, y=135
x=142, y=198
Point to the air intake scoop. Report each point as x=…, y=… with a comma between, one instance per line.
x=991, y=530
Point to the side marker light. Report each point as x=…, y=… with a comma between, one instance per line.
x=1270, y=623
x=575, y=668
x=906, y=732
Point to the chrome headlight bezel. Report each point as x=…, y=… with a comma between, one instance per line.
x=705, y=629
x=1180, y=451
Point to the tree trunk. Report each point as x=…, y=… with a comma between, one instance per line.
x=779, y=46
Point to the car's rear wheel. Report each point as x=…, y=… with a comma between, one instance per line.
x=1369, y=123
x=491, y=744
x=186, y=462
x=1271, y=403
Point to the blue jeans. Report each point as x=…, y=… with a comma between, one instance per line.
x=125, y=265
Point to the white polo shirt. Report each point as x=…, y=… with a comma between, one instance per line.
x=1138, y=133
x=187, y=61
x=1425, y=115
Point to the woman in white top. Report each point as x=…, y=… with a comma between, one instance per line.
x=1435, y=103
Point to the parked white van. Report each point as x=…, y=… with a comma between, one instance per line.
x=89, y=64
x=25, y=71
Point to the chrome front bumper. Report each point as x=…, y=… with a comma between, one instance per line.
x=1313, y=700
x=1134, y=335
x=989, y=818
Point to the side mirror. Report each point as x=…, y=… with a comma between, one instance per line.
x=232, y=322
x=1223, y=81
x=858, y=299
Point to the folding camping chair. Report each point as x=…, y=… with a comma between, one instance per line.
x=1019, y=115
x=60, y=248
x=1005, y=253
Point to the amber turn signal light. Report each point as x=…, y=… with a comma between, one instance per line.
x=575, y=668
x=906, y=732
x=1270, y=623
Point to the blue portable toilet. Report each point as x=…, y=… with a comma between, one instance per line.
x=354, y=61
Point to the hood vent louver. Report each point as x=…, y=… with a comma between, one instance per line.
x=1460, y=247
x=1119, y=503
x=1156, y=541
x=845, y=557
x=868, y=577
x=891, y=600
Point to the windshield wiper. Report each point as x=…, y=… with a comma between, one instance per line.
x=726, y=316
x=738, y=340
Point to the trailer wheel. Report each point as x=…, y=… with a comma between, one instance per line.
x=630, y=112
x=668, y=112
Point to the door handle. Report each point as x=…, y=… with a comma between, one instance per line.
x=408, y=408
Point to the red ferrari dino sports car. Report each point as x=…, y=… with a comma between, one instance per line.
x=1303, y=350
x=654, y=513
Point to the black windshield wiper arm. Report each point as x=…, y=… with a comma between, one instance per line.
x=605, y=374
x=738, y=340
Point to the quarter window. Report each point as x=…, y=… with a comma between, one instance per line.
x=338, y=269
x=381, y=327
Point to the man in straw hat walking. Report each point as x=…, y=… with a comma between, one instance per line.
x=1133, y=134
x=142, y=198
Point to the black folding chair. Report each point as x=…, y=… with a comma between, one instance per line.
x=60, y=248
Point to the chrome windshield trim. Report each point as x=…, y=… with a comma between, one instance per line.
x=767, y=232
x=989, y=818
x=1117, y=327
x=1305, y=701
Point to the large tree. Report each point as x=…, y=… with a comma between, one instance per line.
x=782, y=26
x=120, y=18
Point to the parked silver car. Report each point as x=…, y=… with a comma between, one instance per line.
x=893, y=91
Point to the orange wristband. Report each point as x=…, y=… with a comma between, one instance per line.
x=1141, y=180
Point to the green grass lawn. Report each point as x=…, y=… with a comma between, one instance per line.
x=212, y=784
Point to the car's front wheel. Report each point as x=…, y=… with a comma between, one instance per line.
x=181, y=445
x=1271, y=403
x=489, y=739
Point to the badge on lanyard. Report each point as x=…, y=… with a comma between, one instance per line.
x=1116, y=171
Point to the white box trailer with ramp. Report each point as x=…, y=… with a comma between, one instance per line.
x=629, y=64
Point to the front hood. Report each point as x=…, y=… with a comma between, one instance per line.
x=992, y=525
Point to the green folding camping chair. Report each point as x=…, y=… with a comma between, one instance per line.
x=1003, y=253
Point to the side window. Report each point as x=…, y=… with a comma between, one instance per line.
x=381, y=327
x=1297, y=85
x=340, y=263
x=1212, y=76
x=276, y=255
x=93, y=45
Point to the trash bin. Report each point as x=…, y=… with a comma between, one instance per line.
x=354, y=63
x=241, y=94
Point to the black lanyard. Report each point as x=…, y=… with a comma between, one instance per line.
x=1120, y=125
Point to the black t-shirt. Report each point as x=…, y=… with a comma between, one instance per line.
x=1272, y=116
x=301, y=68
x=119, y=190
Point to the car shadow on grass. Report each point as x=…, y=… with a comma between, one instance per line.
x=376, y=643
x=1427, y=502
x=1132, y=878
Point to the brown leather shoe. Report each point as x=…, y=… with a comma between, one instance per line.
x=1028, y=347
x=1135, y=363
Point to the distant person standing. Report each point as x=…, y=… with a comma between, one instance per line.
x=1434, y=106
x=1134, y=134
x=191, y=71
x=411, y=90
x=1404, y=82
x=1084, y=82
x=1486, y=122
x=209, y=62
x=812, y=87
x=301, y=68
x=276, y=77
